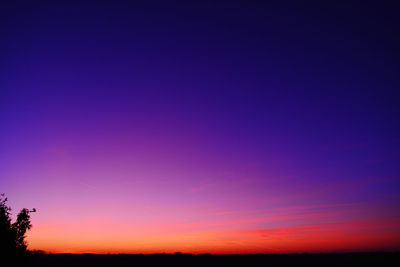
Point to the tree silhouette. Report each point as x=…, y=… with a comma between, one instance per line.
x=12, y=235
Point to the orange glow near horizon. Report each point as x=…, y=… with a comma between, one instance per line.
x=100, y=235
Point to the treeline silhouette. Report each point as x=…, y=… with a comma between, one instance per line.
x=13, y=247
x=207, y=260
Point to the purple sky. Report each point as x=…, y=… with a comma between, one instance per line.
x=203, y=126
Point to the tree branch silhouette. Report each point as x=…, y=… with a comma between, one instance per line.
x=12, y=242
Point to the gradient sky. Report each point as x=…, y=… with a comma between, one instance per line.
x=209, y=126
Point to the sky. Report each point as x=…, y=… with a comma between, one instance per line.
x=202, y=126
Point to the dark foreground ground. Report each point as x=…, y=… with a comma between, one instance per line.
x=88, y=260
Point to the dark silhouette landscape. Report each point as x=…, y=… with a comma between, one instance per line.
x=178, y=259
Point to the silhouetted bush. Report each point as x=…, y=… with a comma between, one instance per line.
x=13, y=248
